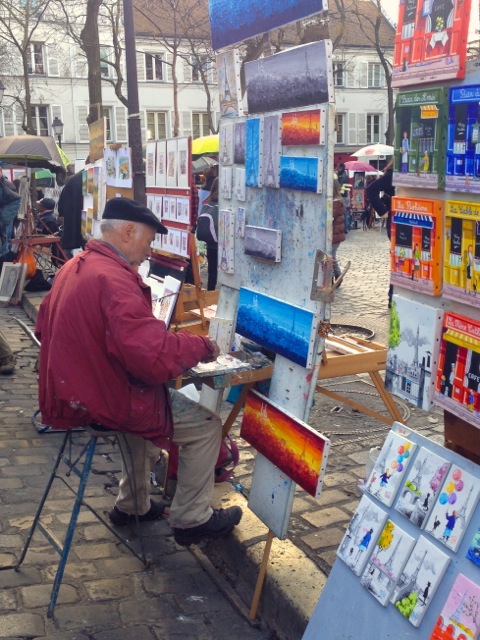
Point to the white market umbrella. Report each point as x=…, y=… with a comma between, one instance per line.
x=374, y=151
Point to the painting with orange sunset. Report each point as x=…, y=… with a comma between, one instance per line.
x=290, y=444
x=301, y=127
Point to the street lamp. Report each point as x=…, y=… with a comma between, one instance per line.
x=2, y=90
x=57, y=126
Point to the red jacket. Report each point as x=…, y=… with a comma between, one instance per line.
x=104, y=357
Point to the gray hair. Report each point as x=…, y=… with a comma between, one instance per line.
x=115, y=225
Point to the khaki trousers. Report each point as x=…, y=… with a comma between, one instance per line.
x=6, y=353
x=197, y=433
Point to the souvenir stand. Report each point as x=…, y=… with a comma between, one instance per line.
x=409, y=559
x=275, y=212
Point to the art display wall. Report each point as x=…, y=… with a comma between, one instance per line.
x=409, y=559
x=168, y=176
x=435, y=243
x=274, y=210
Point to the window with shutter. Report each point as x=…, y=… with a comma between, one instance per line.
x=340, y=132
x=188, y=70
x=364, y=75
x=141, y=66
x=350, y=75
x=200, y=125
x=168, y=65
x=121, y=124
x=186, y=123
x=156, y=125
x=154, y=67
x=374, y=123
x=40, y=119
x=339, y=74
x=9, y=117
x=352, y=128
x=36, y=59
x=52, y=60
x=81, y=68
x=376, y=75
x=82, y=127
x=362, y=132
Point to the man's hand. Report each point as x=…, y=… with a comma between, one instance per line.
x=214, y=353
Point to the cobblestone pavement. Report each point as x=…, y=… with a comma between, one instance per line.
x=106, y=594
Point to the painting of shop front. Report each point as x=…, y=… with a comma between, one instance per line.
x=416, y=236
x=461, y=261
x=457, y=385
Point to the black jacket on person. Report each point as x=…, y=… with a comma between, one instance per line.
x=70, y=205
x=382, y=205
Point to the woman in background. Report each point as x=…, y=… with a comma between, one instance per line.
x=338, y=234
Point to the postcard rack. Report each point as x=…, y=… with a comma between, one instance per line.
x=191, y=296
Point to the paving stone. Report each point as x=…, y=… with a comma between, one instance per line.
x=86, y=616
x=92, y=552
x=325, y=517
x=8, y=601
x=110, y=588
x=21, y=624
x=39, y=595
x=143, y=610
x=324, y=538
x=140, y=632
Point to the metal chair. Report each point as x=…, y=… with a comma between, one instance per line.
x=79, y=466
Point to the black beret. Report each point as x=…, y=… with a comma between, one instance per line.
x=48, y=203
x=133, y=211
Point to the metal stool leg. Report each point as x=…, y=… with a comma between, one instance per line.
x=66, y=439
x=64, y=549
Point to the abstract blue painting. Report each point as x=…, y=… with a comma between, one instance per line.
x=252, y=154
x=291, y=79
x=276, y=325
x=299, y=174
x=232, y=21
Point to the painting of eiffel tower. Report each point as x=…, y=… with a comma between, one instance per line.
x=271, y=151
x=226, y=144
x=252, y=155
x=387, y=561
x=301, y=128
x=230, y=94
x=419, y=580
x=461, y=610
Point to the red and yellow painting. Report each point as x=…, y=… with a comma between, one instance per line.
x=301, y=127
x=290, y=444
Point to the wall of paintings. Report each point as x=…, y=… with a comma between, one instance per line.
x=275, y=157
x=410, y=558
x=435, y=246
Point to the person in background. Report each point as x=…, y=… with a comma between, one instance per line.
x=342, y=177
x=193, y=221
x=46, y=222
x=106, y=360
x=7, y=359
x=338, y=233
x=4, y=180
x=70, y=206
x=383, y=203
x=9, y=206
x=211, y=206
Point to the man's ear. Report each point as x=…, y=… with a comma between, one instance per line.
x=127, y=231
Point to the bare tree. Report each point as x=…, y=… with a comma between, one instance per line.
x=82, y=27
x=19, y=23
x=369, y=20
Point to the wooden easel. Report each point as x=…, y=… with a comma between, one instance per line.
x=348, y=356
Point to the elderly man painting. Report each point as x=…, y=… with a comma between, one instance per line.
x=105, y=359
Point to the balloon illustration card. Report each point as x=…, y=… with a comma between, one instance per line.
x=389, y=470
x=454, y=507
x=422, y=485
x=361, y=534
